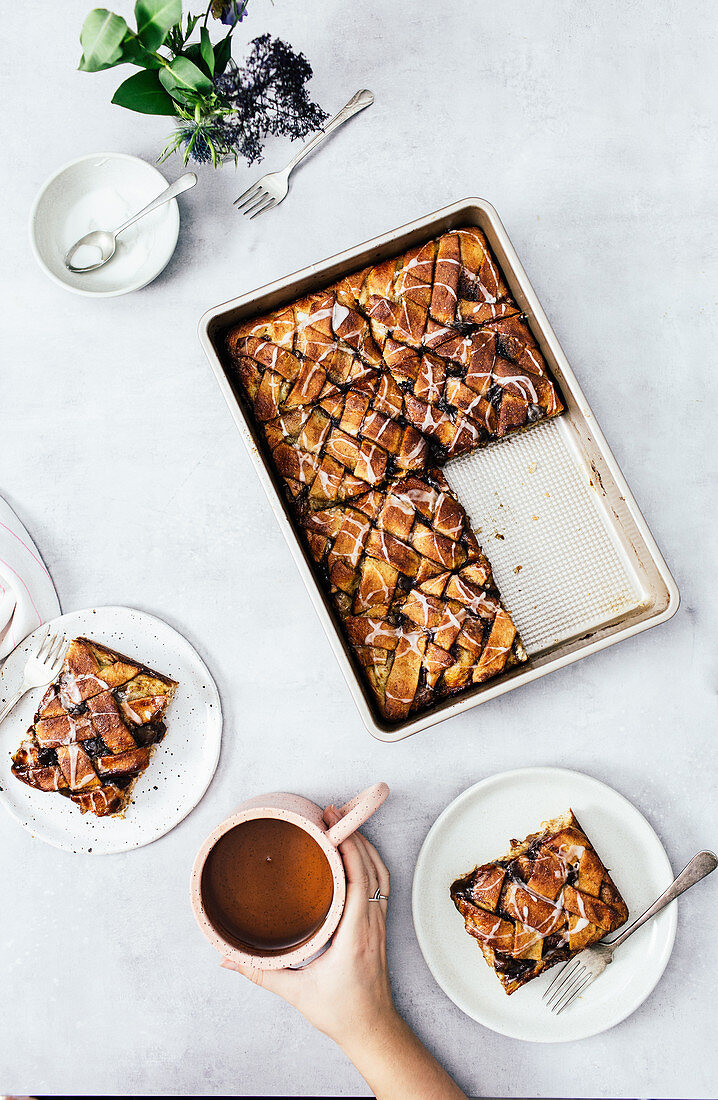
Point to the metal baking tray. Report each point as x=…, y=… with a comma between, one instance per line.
x=576, y=564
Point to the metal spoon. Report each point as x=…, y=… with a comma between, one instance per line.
x=106, y=241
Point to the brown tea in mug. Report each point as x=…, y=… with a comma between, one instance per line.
x=267, y=885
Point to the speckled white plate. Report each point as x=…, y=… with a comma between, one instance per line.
x=477, y=827
x=183, y=763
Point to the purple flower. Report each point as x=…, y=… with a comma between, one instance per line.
x=230, y=12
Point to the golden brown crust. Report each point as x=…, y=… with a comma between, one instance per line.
x=95, y=729
x=547, y=899
x=376, y=379
x=415, y=593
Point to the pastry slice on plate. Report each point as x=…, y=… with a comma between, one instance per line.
x=95, y=729
x=547, y=899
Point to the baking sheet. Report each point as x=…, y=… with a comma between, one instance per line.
x=591, y=573
x=557, y=559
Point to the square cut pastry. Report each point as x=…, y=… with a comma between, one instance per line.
x=362, y=391
x=95, y=729
x=546, y=900
x=415, y=593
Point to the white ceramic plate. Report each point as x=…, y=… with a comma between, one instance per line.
x=183, y=763
x=101, y=191
x=477, y=827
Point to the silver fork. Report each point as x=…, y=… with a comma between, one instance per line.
x=272, y=188
x=41, y=669
x=576, y=976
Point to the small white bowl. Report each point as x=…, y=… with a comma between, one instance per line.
x=101, y=191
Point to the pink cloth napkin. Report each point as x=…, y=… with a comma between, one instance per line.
x=27, y=594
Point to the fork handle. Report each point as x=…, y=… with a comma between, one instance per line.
x=357, y=103
x=700, y=866
x=11, y=703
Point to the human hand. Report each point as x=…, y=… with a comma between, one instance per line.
x=345, y=992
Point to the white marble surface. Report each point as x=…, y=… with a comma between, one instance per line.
x=592, y=129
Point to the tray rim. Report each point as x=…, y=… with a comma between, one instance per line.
x=345, y=261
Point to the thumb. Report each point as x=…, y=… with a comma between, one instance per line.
x=332, y=815
x=276, y=981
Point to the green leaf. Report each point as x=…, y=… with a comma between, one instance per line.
x=154, y=19
x=183, y=76
x=205, y=48
x=101, y=39
x=134, y=53
x=194, y=53
x=144, y=93
x=222, y=54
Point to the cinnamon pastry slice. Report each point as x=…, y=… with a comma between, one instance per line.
x=547, y=899
x=95, y=729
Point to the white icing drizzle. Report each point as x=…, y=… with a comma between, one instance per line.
x=379, y=631
x=376, y=592
x=490, y=653
x=355, y=531
x=339, y=315
x=327, y=480
x=451, y=619
x=306, y=462
x=544, y=926
x=523, y=383
x=446, y=286
x=385, y=422
x=431, y=339
x=132, y=714
x=483, y=934
x=304, y=388
x=312, y=318
x=73, y=752
x=571, y=852
x=404, y=507
x=366, y=462
x=487, y=296
x=70, y=689
x=417, y=451
x=475, y=601
x=424, y=602
x=410, y=640
x=428, y=497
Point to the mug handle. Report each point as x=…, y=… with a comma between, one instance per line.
x=356, y=812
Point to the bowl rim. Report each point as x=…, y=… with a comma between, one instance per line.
x=139, y=283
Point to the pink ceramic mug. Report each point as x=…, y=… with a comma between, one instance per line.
x=308, y=816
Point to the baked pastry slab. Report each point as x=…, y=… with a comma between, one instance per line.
x=547, y=899
x=414, y=591
x=95, y=729
x=379, y=380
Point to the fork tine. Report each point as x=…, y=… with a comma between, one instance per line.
x=246, y=194
x=254, y=205
x=568, y=992
x=267, y=206
x=41, y=646
x=56, y=653
x=576, y=993
x=257, y=193
x=565, y=973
